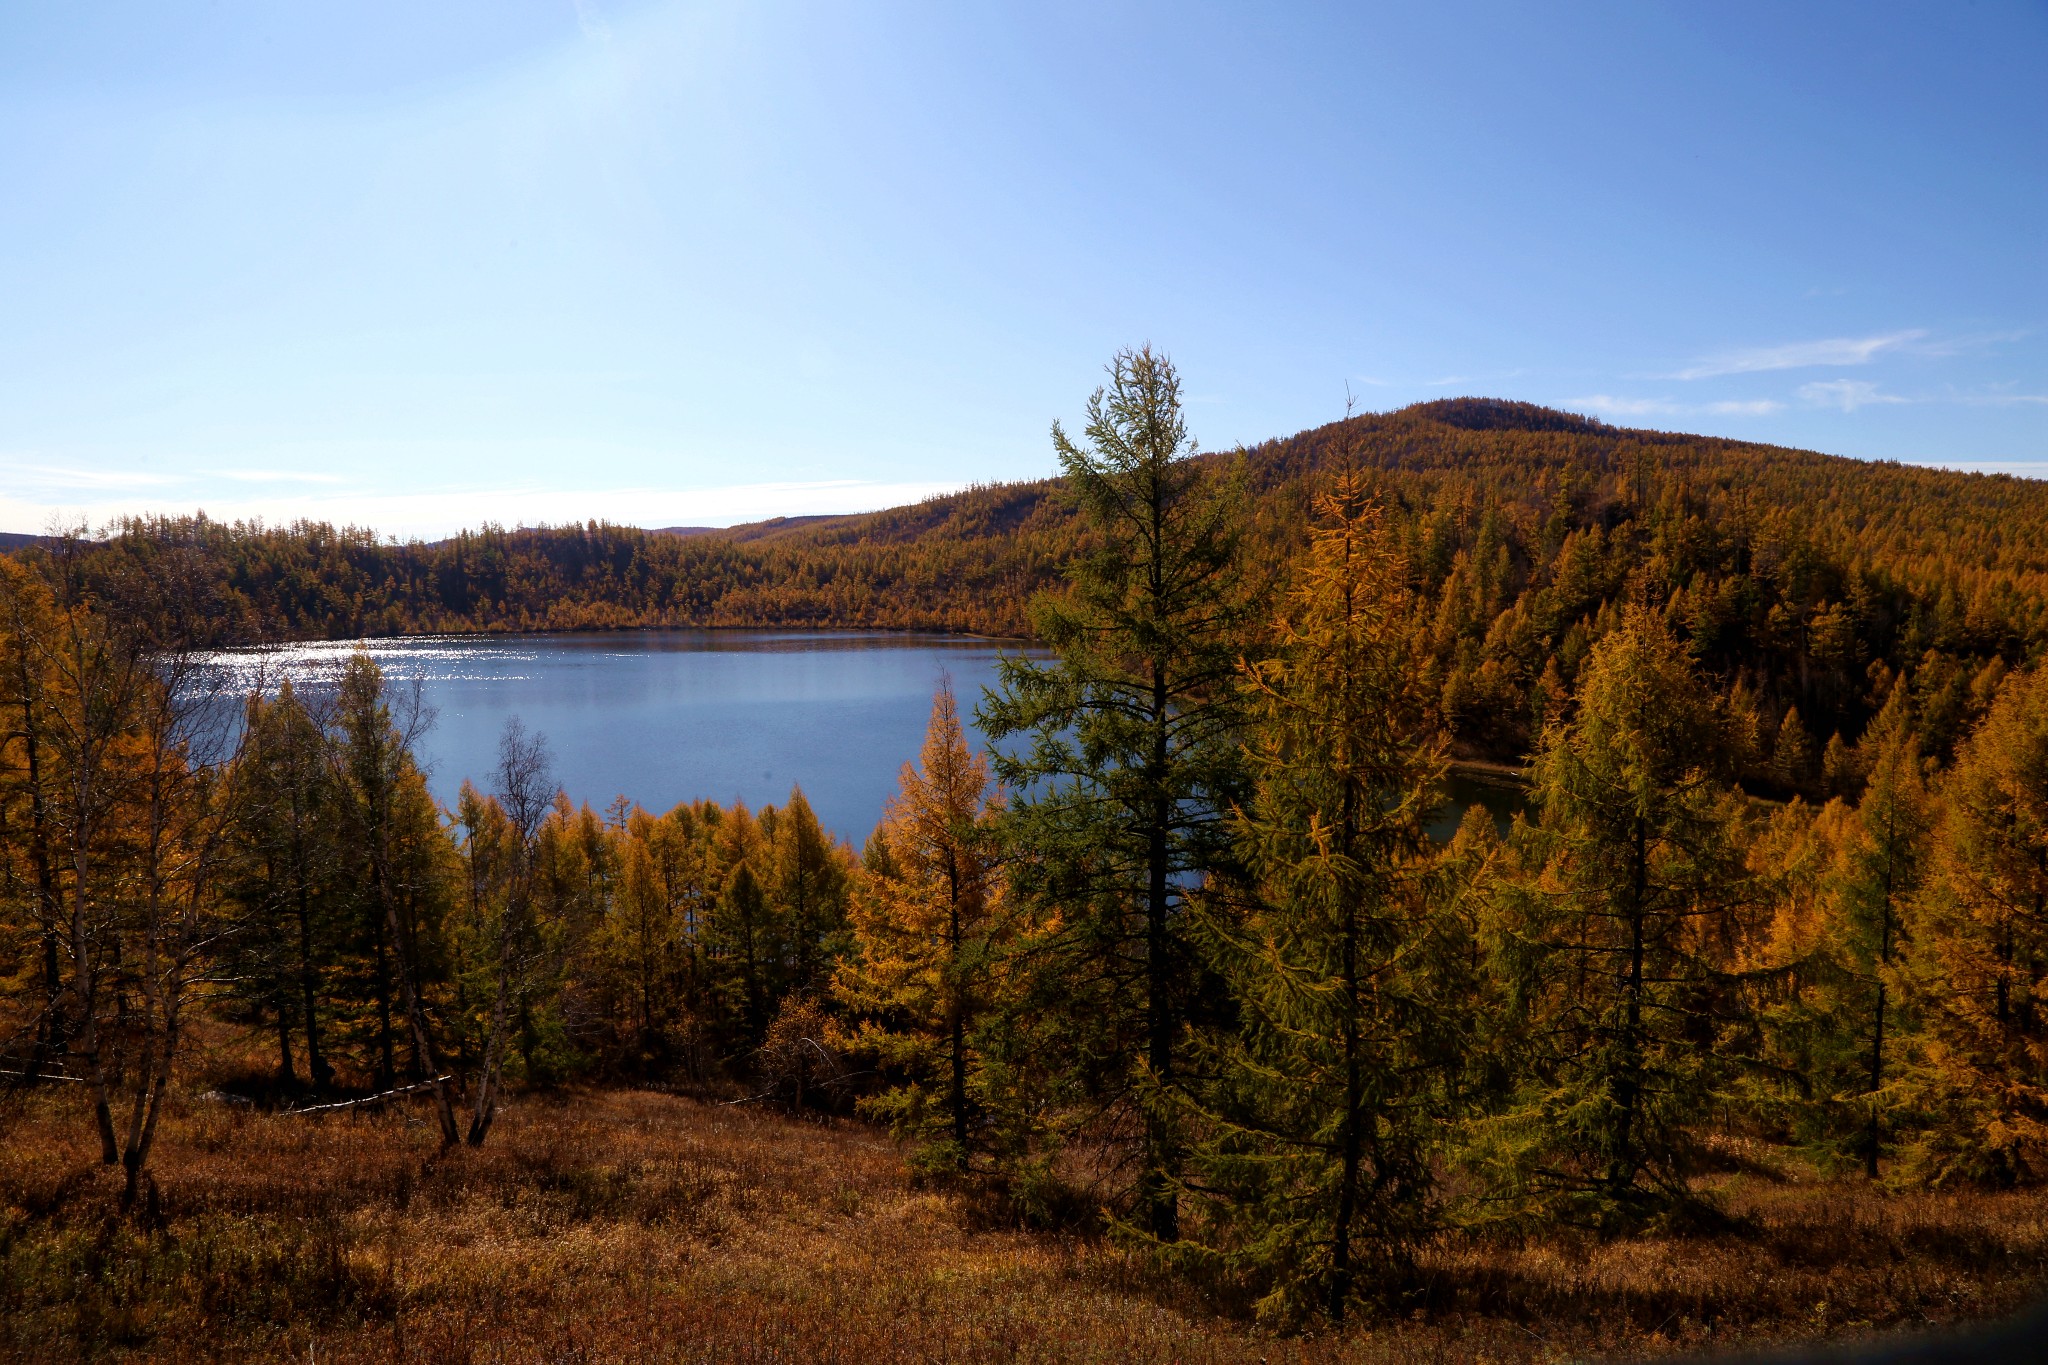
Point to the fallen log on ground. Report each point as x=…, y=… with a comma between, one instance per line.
x=369, y=1101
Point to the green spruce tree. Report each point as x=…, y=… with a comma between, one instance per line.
x=1134, y=755
x=1617, y=940
x=1319, y=1134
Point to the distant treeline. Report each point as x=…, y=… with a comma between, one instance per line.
x=1806, y=586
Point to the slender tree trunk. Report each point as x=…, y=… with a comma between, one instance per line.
x=1162, y=1206
x=756, y=1006
x=647, y=950
x=956, y=1006
x=51, y=1033
x=423, y=1043
x=415, y=1013
x=1350, y=1152
x=1873, y=1136
x=484, y=1107
x=85, y=993
x=151, y=1085
x=168, y=937
x=1627, y=1084
x=317, y=1070
x=387, y=1060
x=287, y=1073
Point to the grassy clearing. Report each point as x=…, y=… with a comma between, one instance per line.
x=631, y=1226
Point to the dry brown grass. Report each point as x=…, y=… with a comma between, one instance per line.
x=624, y=1226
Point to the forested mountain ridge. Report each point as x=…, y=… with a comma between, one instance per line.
x=1807, y=583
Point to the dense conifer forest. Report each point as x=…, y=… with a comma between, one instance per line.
x=1805, y=586
x=1174, y=970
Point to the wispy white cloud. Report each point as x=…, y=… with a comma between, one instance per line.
x=1801, y=355
x=271, y=476
x=1846, y=394
x=1665, y=407
x=27, y=474
x=1962, y=342
x=2000, y=398
x=1622, y=407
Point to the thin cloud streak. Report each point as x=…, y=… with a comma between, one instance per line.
x=1847, y=394
x=2000, y=400
x=1967, y=342
x=1649, y=407
x=1625, y=407
x=31, y=475
x=1801, y=355
x=271, y=476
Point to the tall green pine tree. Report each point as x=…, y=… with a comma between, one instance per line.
x=1618, y=940
x=1135, y=751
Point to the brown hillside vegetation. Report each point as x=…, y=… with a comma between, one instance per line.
x=1804, y=582
x=633, y=1226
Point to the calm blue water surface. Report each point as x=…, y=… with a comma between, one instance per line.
x=680, y=715
x=672, y=715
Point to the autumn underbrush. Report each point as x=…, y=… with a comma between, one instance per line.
x=618, y=1225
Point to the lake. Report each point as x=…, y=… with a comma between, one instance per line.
x=665, y=716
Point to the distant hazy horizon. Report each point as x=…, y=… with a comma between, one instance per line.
x=754, y=515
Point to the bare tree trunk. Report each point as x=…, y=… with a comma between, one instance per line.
x=416, y=1019
x=494, y=1053
x=85, y=995
x=317, y=1070
x=525, y=787
x=287, y=1074
x=151, y=1086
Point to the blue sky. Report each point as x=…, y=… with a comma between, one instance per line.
x=415, y=266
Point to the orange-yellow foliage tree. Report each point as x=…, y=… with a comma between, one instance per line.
x=925, y=917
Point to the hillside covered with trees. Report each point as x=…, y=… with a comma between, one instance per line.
x=1807, y=586
x=1174, y=969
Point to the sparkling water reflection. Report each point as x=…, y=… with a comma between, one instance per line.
x=669, y=716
